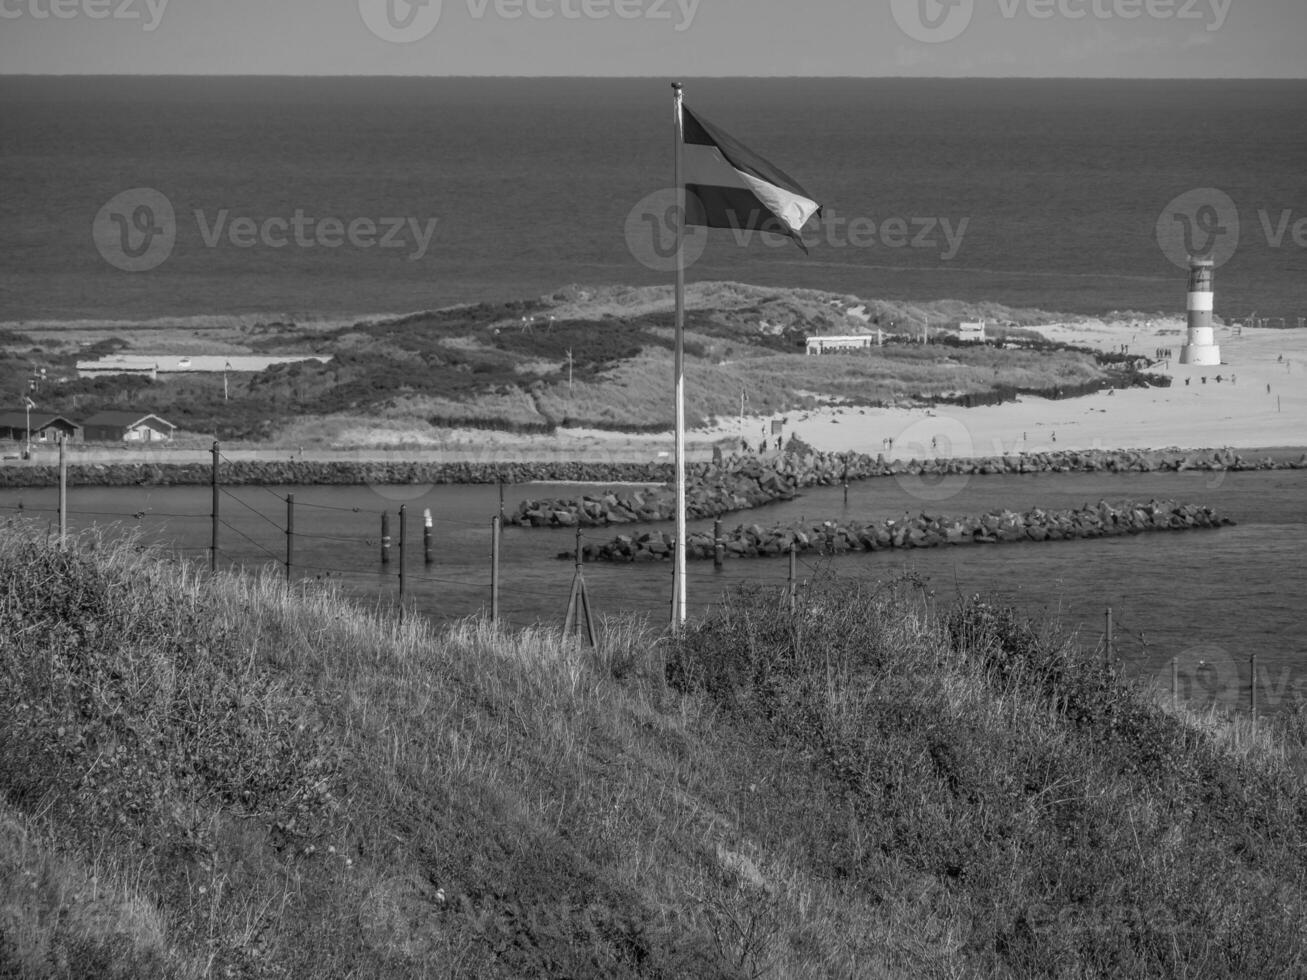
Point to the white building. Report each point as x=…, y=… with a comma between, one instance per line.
x=853, y=341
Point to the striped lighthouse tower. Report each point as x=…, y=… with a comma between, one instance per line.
x=1200, y=345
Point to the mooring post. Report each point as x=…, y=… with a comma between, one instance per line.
x=718, y=546
x=794, y=574
x=1252, y=688
x=494, y=570
x=385, y=537
x=426, y=536
x=403, y=527
x=1107, y=645
x=213, y=479
x=290, y=535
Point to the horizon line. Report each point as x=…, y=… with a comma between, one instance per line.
x=914, y=78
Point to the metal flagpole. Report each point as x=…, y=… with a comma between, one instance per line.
x=678, y=573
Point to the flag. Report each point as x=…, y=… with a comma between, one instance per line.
x=727, y=185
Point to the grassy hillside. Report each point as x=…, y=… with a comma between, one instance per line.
x=212, y=778
x=598, y=358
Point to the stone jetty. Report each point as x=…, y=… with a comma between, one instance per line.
x=742, y=481
x=745, y=482
x=923, y=531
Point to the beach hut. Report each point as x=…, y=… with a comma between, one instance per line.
x=46, y=428
x=131, y=427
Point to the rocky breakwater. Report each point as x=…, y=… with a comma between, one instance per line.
x=923, y=531
x=740, y=484
x=297, y=472
x=744, y=482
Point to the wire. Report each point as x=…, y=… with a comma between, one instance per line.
x=334, y=537
x=276, y=558
x=252, y=509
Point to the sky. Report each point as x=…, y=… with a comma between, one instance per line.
x=668, y=38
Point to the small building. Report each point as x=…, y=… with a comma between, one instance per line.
x=973, y=333
x=46, y=428
x=855, y=341
x=152, y=366
x=127, y=427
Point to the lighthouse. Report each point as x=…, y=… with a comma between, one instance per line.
x=1200, y=345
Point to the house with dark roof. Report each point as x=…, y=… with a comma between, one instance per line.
x=127, y=427
x=46, y=428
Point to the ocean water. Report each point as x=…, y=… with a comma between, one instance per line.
x=1209, y=600
x=1033, y=193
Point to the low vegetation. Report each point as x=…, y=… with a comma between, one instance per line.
x=576, y=359
x=214, y=777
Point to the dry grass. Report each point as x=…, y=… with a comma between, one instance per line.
x=214, y=777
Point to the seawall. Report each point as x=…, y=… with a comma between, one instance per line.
x=923, y=531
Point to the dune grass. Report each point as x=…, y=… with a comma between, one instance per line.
x=215, y=777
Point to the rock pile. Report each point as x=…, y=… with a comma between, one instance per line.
x=740, y=482
x=743, y=482
x=922, y=531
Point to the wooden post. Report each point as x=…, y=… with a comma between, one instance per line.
x=794, y=575
x=718, y=546
x=385, y=537
x=1252, y=688
x=426, y=536
x=403, y=527
x=1175, y=682
x=63, y=492
x=213, y=550
x=578, y=616
x=1107, y=645
x=290, y=535
x=494, y=570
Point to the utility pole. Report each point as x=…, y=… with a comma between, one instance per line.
x=569, y=368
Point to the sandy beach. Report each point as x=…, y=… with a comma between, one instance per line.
x=1260, y=402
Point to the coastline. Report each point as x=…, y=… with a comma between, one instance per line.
x=1259, y=408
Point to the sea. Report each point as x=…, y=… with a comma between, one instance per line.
x=1076, y=196
x=1188, y=610
x=239, y=199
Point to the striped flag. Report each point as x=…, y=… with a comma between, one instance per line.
x=727, y=185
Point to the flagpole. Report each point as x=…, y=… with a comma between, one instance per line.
x=678, y=573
